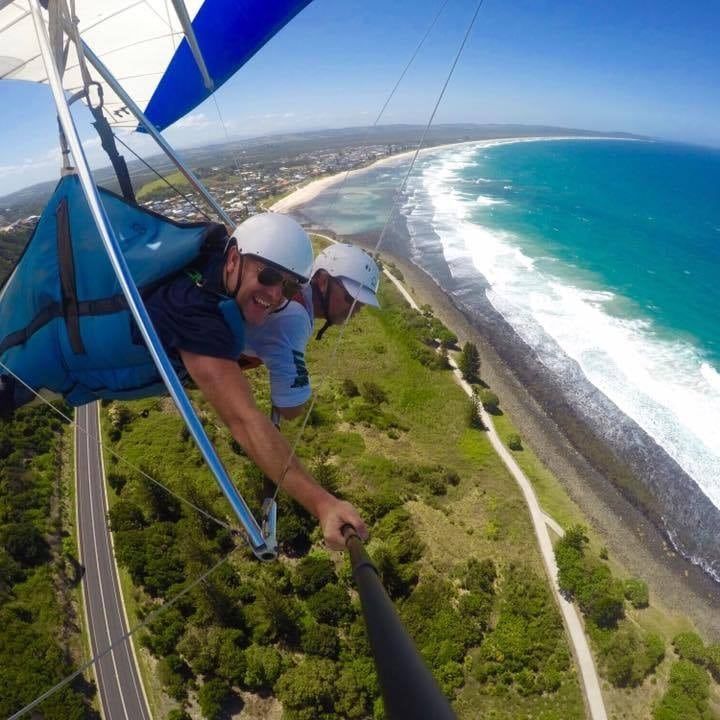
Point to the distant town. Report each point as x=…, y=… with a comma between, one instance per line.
x=245, y=188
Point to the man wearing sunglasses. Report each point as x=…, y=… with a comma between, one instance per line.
x=201, y=315
x=344, y=279
x=266, y=263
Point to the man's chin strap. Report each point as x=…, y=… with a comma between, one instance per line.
x=325, y=300
x=240, y=276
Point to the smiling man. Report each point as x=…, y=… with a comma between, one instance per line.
x=344, y=279
x=201, y=315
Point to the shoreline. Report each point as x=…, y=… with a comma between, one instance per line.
x=639, y=545
x=309, y=192
x=634, y=539
x=613, y=487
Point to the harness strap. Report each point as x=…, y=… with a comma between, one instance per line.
x=68, y=287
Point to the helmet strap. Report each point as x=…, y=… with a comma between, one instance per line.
x=325, y=301
x=240, y=277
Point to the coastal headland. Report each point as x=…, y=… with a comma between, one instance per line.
x=606, y=486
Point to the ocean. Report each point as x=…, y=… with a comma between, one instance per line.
x=603, y=255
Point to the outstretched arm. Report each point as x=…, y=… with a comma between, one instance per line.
x=228, y=391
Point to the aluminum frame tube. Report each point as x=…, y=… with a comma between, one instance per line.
x=252, y=529
x=182, y=13
x=155, y=133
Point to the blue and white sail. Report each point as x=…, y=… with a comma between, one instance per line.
x=143, y=44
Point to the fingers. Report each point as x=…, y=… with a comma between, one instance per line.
x=341, y=515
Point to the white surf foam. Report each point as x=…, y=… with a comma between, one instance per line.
x=666, y=386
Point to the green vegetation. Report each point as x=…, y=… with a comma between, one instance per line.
x=625, y=655
x=38, y=641
x=469, y=362
x=292, y=629
x=159, y=189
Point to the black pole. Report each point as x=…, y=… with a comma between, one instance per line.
x=409, y=690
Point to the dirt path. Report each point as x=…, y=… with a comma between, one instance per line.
x=573, y=624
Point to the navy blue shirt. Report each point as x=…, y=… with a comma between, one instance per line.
x=197, y=317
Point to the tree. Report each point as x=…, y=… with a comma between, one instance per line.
x=211, y=697
x=330, y=604
x=308, y=690
x=490, y=401
x=469, y=362
x=689, y=646
x=126, y=515
x=636, y=591
x=263, y=667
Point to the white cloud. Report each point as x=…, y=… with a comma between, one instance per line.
x=194, y=122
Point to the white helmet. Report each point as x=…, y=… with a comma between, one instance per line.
x=355, y=269
x=278, y=239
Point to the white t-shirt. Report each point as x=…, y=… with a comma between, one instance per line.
x=280, y=343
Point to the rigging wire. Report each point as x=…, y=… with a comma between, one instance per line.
x=125, y=636
x=341, y=184
x=292, y=455
x=114, y=453
x=164, y=179
x=398, y=196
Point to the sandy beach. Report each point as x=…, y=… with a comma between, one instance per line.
x=583, y=464
x=308, y=192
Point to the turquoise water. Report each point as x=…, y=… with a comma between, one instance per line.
x=639, y=219
x=603, y=255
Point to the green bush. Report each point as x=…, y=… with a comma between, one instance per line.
x=625, y=657
x=712, y=657
x=320, y=639
x=263, y=666
x=312, y=573
x=490, y=401
x=308, y=690
x=330, y=604
x=686, y=697
x=636, y=591
x=514, y=442
x=689, y=646
x=372, y=393
x=350, y=389
x=211, y=697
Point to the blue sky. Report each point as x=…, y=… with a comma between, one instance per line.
x=644, y=67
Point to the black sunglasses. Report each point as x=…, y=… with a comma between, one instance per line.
x=270, y=277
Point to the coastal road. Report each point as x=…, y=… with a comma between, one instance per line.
x=119, y=685
x=571, y=618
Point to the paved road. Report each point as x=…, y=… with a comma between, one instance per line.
x=578, y=640
x=118, y=681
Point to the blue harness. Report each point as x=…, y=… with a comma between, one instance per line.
x=64, y=323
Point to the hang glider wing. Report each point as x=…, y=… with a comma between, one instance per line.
x=143, y=45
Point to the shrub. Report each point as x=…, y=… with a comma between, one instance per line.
x=263, y=666
x=330, y=604
x=490, y=401
x=308, y=690
x=469, y=362
x=117, y=481
x=312, y=573
x=689, y=646
x=126, y=515
x=712, y=656
x=211, y=697
x=636, y=591
x=320, y=639
x=373, y=394
x=514, y=442
x=686, y=697
x=350, y=388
